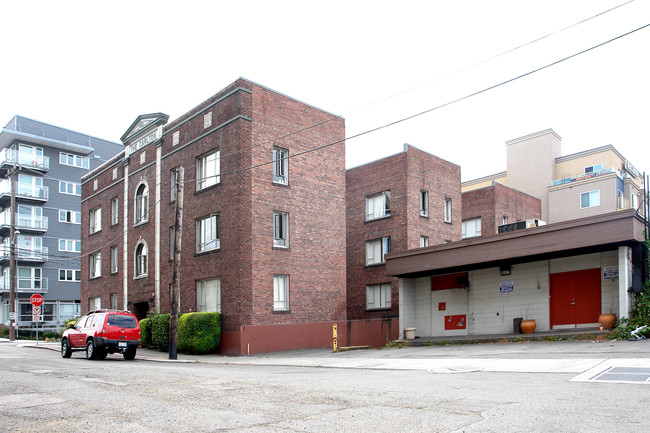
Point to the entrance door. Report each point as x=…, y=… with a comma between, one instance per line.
x=575, y=297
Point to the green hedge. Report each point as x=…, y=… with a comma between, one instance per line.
x=160, y=331
x=199, y=333
x=145, y=333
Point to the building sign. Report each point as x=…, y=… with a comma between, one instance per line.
x=149, y=138
x=507, y=287
x=610, y=273
x=455, y=322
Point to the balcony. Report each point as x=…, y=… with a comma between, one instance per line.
x=622, y=203
x=583, y=176
x=28, y=254
x=34, y=193
x=38, y=285
x=12, y=157
x=34, y=224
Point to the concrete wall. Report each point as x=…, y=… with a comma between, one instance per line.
x=564, y=200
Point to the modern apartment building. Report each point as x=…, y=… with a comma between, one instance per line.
x=587, y=183
x=402, y=202
x=44, y=164
x=263, y=231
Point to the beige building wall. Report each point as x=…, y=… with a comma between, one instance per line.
x=564, y=200
x=483, y=182
x=574, y=165
x=531, y=164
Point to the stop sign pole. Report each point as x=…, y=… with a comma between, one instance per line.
x=37, y=301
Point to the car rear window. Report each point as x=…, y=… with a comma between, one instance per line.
x=122, y=320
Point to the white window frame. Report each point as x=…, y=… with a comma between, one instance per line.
x=378, y=296
x=74, y=160
x=207, y=119
x=592, y=196
x=176, y=138
x=280, y=229
x=280, y=165
x=141, y=260
x=207, y=233
x=69, y=188
x=202, y=299
x=424, y=241
x=114, y=173
x=424, y=203
x=474, y=224
x=115, y=211
x=208, y=170
x=448, y=210
x=95, y=264
x=70, y=275
x=378, y=206
x=70, y=245
x=71, y=214
x=593, y=168
x=95, y=220
x=35, y=279
x=113, y=297
x=141, y=203
x=114, y=259
x=376, y=249
x=280, y=292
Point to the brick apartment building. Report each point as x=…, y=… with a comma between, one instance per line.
x=490, y=207
x=259, y=196
x=402, y=202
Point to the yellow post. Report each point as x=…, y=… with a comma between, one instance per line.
x=335, y=345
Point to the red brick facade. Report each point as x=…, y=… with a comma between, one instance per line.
x=495, y=202
x=405, y=175
x=248, y=120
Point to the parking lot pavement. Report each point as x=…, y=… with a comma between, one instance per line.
x=576, y=357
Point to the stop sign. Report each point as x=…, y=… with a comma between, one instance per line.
x=36, y=300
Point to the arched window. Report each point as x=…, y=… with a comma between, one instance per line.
x=141, y=203
x=141, y=259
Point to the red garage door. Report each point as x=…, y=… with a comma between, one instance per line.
x=575, y=297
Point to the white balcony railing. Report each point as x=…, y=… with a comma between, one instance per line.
x=33, y=192
x=36, y=285
x=33, y=223
x=14, y=157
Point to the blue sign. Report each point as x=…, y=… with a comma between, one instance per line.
x=507, y=287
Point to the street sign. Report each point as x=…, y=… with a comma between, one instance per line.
x=36, y=300
x=36, y=310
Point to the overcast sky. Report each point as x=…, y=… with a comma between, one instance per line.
x=93, y=67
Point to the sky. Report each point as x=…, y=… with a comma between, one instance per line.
x=93, y=67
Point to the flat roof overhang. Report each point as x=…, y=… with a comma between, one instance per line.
x=563, y=239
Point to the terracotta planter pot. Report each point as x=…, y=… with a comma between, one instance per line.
x=528, y=326
x=607, y=321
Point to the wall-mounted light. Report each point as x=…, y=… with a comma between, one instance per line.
x=505, y=270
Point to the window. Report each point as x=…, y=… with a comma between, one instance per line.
x=114, y=258
x=115, y=173
x=207, y=170
x=29, y=278
x=32, y=186
x=593, y=168
x=280, y=293
x=207, y=233
x=378, y=206
x=73, y=160
x=447, y=210
x=69, y=188
x=115, y=211
x=114, y=307
x=95, y=184
x=176, y=138
x=590, y=199
x=635, y=201
x=424, y=241
x=376, y=249
x=471, y=228
x=30, y=155
x=69, y=275
x=142, y=203
x=173, y=184
x=280, y=229
x=505, y=220
x=280, y=165
x=95, y=264
x=31, y=216
x=207, y=119
x=95, y=220
x=424, y=203
x=93, y=304
x=141, y=260
x=378, y=296
x=208, y=295
x=70, y=245
x=69, y=216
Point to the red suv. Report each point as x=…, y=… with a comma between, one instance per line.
x=101, y=332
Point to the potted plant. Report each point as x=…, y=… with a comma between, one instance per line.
x=528, y=326
x=608, y=320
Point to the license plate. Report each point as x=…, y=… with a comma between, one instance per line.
x=121, y=344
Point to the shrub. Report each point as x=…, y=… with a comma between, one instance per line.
x=160, y=331
x=145, y=333
x=199, y=333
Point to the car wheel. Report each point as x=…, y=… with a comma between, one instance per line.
x=129, y=354
x=66, y=350
x=90, y=350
